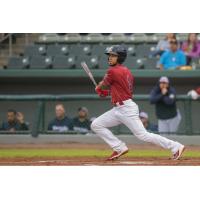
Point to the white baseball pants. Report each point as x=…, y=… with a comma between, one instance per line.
x=128, y=114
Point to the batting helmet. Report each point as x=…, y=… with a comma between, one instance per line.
x=119, y=51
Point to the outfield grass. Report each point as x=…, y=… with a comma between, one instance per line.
x=13, y=153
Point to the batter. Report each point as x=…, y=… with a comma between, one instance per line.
x=118, y=82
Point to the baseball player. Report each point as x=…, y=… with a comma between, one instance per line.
x=118, y=82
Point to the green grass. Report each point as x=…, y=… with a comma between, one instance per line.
x=12, y=153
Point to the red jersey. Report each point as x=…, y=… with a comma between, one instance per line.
x=120, y=80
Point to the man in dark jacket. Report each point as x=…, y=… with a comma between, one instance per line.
x=164, y=97
x=81, y=123
x=15, y=122
x=61, y=123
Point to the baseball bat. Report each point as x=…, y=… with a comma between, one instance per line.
x=88, y=72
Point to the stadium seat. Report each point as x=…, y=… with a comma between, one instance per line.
x=103, y=62
x=86, y=49
x=134, y=63
x=131, y=50
x=49, y=38
x=150, y=63
x=17, y=63
x=114, y=38
x=99, y=49
x=64, y=62
x=40, y=62
x=92, y=38
x=136, y=38
x=35, y=50
x=143, y=50
x=182, y=36
x=53, y=50
x=195, y=63
x=92, y=61
x=70, y=38
x=160, y=36
x=75, y=49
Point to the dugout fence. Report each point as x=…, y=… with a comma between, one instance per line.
x=41, y=101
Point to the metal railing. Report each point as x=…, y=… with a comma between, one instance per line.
x=9, y=36
x=39, y=119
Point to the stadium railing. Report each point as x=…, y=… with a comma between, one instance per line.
x=39, y=119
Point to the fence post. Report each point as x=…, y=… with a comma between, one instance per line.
x=10, y=45
x=38, y=119
x=43, y=116
x=188, y=116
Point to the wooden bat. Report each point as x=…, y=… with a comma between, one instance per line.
x=89, y=73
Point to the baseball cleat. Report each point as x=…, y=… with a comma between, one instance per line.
x=178, y=154
x=115, y=155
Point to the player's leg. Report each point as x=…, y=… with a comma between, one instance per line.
x=129, y=115
x=163, y=126
x=100, y=126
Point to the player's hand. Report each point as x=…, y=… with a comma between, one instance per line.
x=20, y=117
x=102, y=93
x=164, y=91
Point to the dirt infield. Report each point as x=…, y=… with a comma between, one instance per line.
x=93, y=160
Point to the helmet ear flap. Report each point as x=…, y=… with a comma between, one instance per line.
x=121, y=58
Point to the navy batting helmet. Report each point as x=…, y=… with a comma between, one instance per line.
x=119, y=51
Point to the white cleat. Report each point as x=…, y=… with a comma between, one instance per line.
x=178, y=154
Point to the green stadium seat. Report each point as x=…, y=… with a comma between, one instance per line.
x=182, y=37
x=131, y=50
x=92, y=61
x=134, y=62
x=40, y=62
x=143, y=50
x=70, y=38
x=103, y=62
x=53, y=50
x=35, y=50
x=136, y=38
x=49, y=38
x=86, y=49
x=160, y=36
x=150, y=63
x=195, y=63
x=64, y=62
x=114, y=38
x=17, y=63
x=99, y=49
x=75, y=49
x=92, y=38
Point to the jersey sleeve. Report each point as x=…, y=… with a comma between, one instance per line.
x=108, y=78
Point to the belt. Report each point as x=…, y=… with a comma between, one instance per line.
x=120, y=103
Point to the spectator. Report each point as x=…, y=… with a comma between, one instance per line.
x=164, y=98
x=15, y=122
x=81, y=123
x=164, y=45
x=61, y=123
x=145, y=120
x=173, y=58
x=191, y=47
x=194, y=94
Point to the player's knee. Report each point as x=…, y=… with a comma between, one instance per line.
x=94, y=125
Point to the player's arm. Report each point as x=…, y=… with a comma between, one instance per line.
x=102, y=88
x=170, y=97
x=155, y=96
